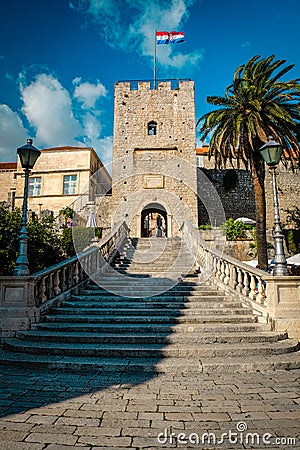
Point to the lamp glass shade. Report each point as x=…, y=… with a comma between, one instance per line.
x=28, y=155
x=271, y=153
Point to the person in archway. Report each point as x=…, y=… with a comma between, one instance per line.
x=159, y=226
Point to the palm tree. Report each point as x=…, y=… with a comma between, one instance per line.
x=255, y=106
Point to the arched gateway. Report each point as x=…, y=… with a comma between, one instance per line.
x=154, y=221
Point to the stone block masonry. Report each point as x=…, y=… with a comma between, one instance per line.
x=154, y=160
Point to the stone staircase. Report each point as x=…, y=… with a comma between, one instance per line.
x=150, y=314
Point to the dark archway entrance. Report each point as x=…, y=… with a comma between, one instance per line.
x=154, y=221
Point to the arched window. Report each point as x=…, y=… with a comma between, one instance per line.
x=152, y=127
x=230, y=180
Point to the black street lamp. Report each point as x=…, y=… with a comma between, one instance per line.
x=28, y=155
x=271, y=153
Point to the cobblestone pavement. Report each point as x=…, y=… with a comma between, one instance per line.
x=61, y=411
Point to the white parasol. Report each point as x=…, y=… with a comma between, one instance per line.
x=92, y=220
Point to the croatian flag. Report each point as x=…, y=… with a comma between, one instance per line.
x=174, y=37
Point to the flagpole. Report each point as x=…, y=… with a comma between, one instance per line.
x=155, y=59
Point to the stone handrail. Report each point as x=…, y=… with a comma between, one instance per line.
x=71, y=273
x=275, y=299
x=23, y=299
x=55, y=280
x=246, y=282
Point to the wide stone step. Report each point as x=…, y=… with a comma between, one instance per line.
x=208, y=302
x=150, y=284
x=152, y=350
x=133, y=310
x=119, y=291
x=152, y=366
x=167, y=337
x=176, y=301
x=93, y=318
x=133, y=292
x=148, y=258
x=210, y=327
x=164, y=272
x=159, y=264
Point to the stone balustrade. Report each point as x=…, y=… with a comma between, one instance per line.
x=23, y=299
x=275, y=299
x=242, y=280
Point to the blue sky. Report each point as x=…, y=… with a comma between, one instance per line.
x=59, y=59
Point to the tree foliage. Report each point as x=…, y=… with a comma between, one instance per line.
x=10, y=225
x=81, y=236
x=44, y=247
x=236, y=229
x=257, y=104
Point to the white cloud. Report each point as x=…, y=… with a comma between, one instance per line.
x=59, y=118
x=88, y=93
x=165, y=18
x=246, y=44
x=130, y=25
x=48, y=108
x=12, y=132
x=92, y=126
x=104, y=147
x=179, y=60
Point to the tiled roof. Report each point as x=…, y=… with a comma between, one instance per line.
x=8, y=166
x=203, y=151
x=67, y=147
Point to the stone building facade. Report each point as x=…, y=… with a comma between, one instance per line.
x=61, y=177
x=288, y=184
x=154, y=163
x=8, y=182
x=235, y=190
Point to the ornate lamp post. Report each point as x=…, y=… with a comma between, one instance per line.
x=271, y=153
x=28, y=155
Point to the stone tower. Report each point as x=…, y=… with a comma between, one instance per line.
x=154, y=162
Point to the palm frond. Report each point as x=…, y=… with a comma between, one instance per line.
x=256, y=104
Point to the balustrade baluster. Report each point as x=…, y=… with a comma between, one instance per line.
x=252, y=293
x=246, y=288
x=240, y=281
x=51, y=286
x=227, y=272
x=218, y=268
x=64, y=285
x=76, y=272
x=56, y=288
x=72, y=275
x=222, y=276
x=233, y=277
x=84, y=264
x=261, y=295
x=215, y=265
x=42, y=290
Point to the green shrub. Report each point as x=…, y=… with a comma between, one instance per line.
x=205, y=227
x=66, y=241
x=290, y=242
x=67, y=212
x=235, y=230
x=44, y=247
x=10, y=225
x=80, y=236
